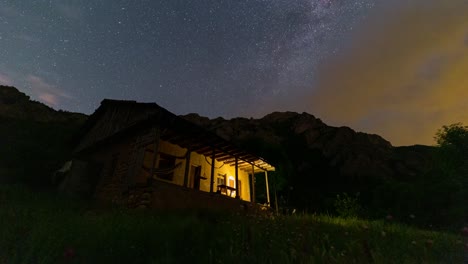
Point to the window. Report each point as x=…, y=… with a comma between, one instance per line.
x=221, y=180
x=166, y=167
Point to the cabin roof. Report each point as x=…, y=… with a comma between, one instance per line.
x=127, y=117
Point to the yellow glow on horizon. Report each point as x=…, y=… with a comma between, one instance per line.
x=404, y=75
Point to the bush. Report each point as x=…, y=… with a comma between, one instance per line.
x=347, y=206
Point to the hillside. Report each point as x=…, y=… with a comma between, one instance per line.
x=34, y=138
x=17, y=105
x=41, y=228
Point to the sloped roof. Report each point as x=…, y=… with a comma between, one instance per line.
x=126, y=117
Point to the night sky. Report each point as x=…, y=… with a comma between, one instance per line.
x=396, y=68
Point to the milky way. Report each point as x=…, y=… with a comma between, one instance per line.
x=217, y=58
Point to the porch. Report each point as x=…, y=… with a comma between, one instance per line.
x=167, y=196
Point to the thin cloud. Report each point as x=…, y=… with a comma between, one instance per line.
x=47, y=92
x=5, y=80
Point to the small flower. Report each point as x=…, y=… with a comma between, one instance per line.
x=412, y=216
x=389, y=217
x=413, y=242
x=383, y=233
x=346, y=233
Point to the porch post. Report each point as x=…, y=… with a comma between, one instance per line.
x=267, y=188
x=157, y=134
x=187, y=167
x=252, y=185
x=237, y=179
x=212, y=170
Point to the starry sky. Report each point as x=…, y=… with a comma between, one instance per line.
x=396, y=68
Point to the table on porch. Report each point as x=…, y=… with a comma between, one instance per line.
x=228, y=190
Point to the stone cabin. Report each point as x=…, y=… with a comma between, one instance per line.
x=140, y=155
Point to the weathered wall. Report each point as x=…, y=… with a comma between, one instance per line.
x=113, y=179
x=118, y=162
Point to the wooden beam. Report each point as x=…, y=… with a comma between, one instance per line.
x=250, y=158
x=228, y=160
x=222, y=155
x=213, y=161
x=245, y=165
x=252, y=199
x=257, y=169
x=232, y=160
x=235, y=152
x=203, y=149
x=237, y=179
x=267, y=188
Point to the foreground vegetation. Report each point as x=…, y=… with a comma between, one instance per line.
x=44, y=228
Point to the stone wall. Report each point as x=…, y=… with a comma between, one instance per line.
x=167, y=196
x=121, y=161
x=139, y=197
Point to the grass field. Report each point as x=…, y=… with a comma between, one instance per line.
x=43, y=228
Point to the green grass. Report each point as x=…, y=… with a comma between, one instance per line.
x=43, y=228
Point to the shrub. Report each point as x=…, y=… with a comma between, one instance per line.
x=347, y=206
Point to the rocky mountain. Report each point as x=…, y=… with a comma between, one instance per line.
x=354, y=154
x=318, y=160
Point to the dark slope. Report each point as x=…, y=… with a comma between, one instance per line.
x=34, y=138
